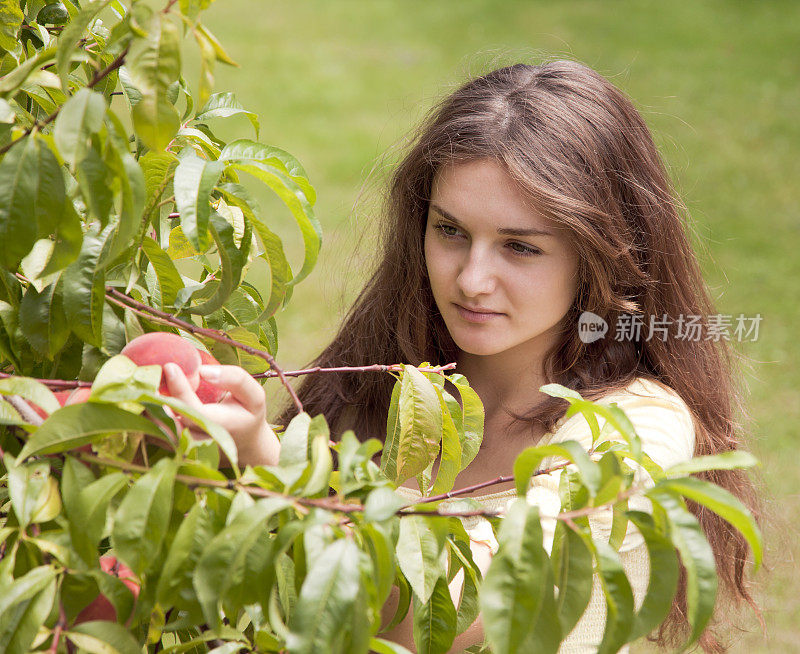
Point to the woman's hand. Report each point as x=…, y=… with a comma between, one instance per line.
x=242, y=411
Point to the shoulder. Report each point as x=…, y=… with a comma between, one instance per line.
x=659, y=415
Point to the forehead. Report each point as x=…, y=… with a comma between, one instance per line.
x=483, y=191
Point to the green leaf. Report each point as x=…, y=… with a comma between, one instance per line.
x=158, y=168
x=142, y=518
x=472, y=417
x=697, y=558
x=245, y=149
x=194, y=533
x=84, y=288
x=280, y=271
x=169, y=279
x=50, y=194
x=94, y=179
x=31, y=390
x=42, y=319
x=102, y=637
x=663, y=576
x=321, y=463
x=382, y=503
x=11, y=18
x=529, y=459
x=513, y=588
x=194, y=181
x=132, y=186
x=26, y=605
x=18, y=195
x=326, y=600
x=295, y=199
x=420, y=416
x=70, y=38
x=420, y=547
x=238, y=559
x=154, y=64
x=78, y=424
x=449, y=465
x=380, y=646
x=80, y=117
x=53, y=14
x=232, y=261
x=732, y=460
x=223, y=105
x=618, y=595
x=87, y=512
x=67, y=242
x=29, y=487
x=435, y=621
x=25, y=587
x=724, y=504
x=392, y=442
x=572, y=563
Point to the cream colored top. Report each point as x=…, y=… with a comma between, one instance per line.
x=665, y=426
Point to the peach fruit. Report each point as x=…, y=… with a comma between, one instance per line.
x=101, y=608
x=208, y=393
x=158, y=348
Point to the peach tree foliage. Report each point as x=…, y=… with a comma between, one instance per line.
x=114, y=188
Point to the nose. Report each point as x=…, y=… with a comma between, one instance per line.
x=476, y=275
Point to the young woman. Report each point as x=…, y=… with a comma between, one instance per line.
x=529, y=196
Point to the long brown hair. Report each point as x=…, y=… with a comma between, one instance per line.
x=583, y=154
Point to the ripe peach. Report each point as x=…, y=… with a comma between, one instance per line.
x=158, y=348
x=208, y=393
x=101, y=608
x=63, y=396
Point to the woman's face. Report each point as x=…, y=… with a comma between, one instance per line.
x=502, y=276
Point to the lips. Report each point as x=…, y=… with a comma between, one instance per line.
x=477, y=315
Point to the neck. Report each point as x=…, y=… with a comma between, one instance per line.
x=506, y=380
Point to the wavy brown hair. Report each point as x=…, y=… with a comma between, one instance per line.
x=586, y=159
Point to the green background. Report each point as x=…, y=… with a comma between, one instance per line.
x=341, y=84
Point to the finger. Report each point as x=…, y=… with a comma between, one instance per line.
x=179, y=387
x=241, y=385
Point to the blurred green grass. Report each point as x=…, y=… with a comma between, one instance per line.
x=338, y=84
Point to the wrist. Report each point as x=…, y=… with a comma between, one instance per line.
x=263, y=450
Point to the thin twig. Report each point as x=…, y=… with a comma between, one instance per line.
x=61, y=384
x=58, y=629
x=376, y=367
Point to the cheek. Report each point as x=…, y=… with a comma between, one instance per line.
x=434, y=262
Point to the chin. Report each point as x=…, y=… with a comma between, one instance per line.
x=478, y=348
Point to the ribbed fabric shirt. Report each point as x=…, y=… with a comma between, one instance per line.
x=666, y=428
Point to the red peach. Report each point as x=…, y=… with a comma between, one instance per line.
x=208, y=393
x=63, y=396
x=101, y=608
x=158, y=348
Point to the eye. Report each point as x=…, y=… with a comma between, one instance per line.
x=523, y=250
x=448, y=231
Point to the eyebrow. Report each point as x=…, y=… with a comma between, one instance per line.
x=507, y=231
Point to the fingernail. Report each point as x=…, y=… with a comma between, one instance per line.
x=210, y=373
